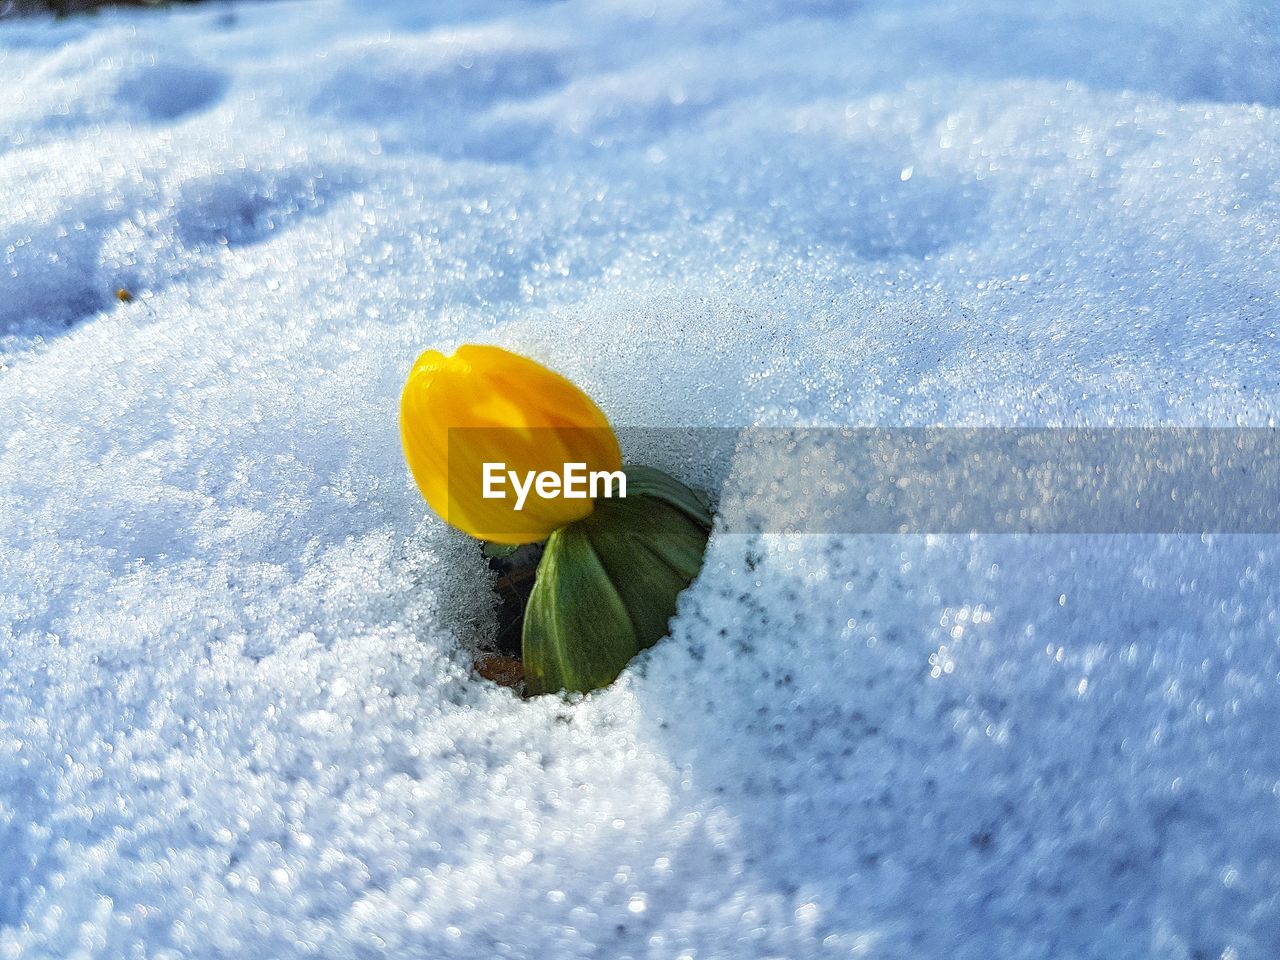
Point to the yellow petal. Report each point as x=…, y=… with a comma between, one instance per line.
x=488, y=405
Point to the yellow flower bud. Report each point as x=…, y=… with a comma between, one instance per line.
x=485, y=405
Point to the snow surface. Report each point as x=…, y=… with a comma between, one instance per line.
x=236, y=712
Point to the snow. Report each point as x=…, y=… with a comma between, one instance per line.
x=236, y=712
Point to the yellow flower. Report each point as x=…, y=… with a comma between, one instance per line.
x=485, y=405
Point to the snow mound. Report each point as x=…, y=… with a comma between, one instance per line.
x=236, y=711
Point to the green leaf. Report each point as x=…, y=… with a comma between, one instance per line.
x=607, y=585
x=646, y=481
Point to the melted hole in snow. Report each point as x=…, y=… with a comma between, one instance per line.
x=515, y=577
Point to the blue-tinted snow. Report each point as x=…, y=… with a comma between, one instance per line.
x=236, y=715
